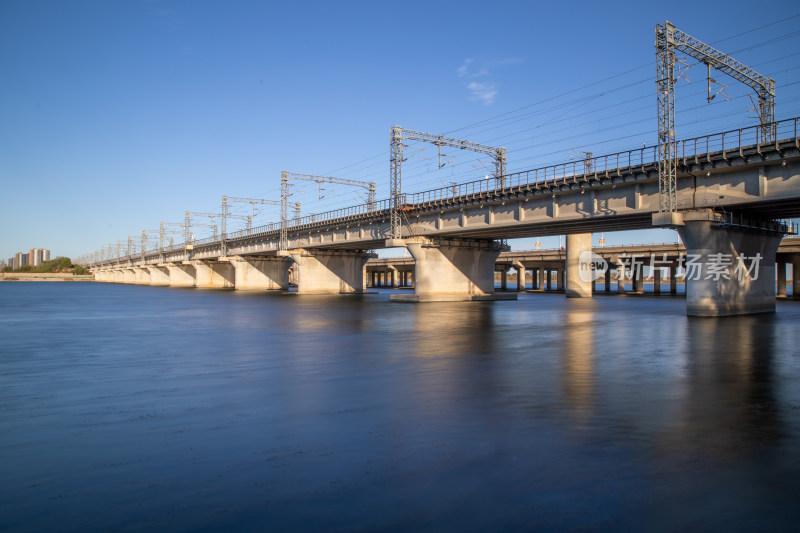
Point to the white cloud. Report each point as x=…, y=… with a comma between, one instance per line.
x=463, y=70
x=480, y=85
x=482, y=92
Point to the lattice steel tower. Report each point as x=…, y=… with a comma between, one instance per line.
x=670, y=40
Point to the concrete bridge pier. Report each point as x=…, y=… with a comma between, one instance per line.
x=128, y=276
x=451, y=270
x=407, y=278
x=141, y=276
x=180, y=275
x=673, y=279
x=638, y=279
x=620, y=277
x=329, y=272
x=521, y=274
x=578, y=286
x=781, y=273
x=796, y=278
x=718, y=287
x=214, y=275
x=260, y=273
x=159, y=275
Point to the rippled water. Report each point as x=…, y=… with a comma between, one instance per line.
x=130, y=408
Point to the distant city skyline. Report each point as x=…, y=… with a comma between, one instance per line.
x=34, y=257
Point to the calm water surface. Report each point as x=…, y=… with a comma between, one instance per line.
x=129, y=408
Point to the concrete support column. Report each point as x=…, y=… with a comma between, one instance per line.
x=540, y=279
x=393, y=277
x=796, y=277
x=718, y=289
x=260, y=273
x=620, y=277
x=657, y=280
x=141, y=276
x=560, y=285
x=549, y=279
x=214, y=275
x=159, y=275
x=578, y=243
x=607, y=280
x=781, y=272
x=503, y=278
x=180, y=275
x=329, y=272
x=638, y=279
x=520, y=276
x=673, y=279
x=452, y=270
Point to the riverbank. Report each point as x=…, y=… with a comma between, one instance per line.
x=43, y=276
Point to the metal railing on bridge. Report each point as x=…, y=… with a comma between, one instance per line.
x=726, y=144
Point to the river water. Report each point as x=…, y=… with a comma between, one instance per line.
x=130, y=408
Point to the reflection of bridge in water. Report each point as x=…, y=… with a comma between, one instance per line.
x=731, y=188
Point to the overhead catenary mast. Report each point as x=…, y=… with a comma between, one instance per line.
x=398, y=134
x=287, y=176
x=188, y=225
x=226, y=200
x=669, y=41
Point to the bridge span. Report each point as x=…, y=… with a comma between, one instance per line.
x=731, y=191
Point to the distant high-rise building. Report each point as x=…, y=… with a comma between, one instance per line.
x=21, y=260
x=45, y=254
x=35, y=256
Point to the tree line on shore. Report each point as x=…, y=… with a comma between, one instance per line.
x=57, y=265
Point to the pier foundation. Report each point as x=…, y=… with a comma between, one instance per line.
x=260, y=273
x=730, y=269
x=329, y=272
x=578, y=243
x=180, y=275
x=159, y=275
x=213, y=275
x=452, y=270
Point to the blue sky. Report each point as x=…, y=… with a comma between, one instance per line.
x=119, y=115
